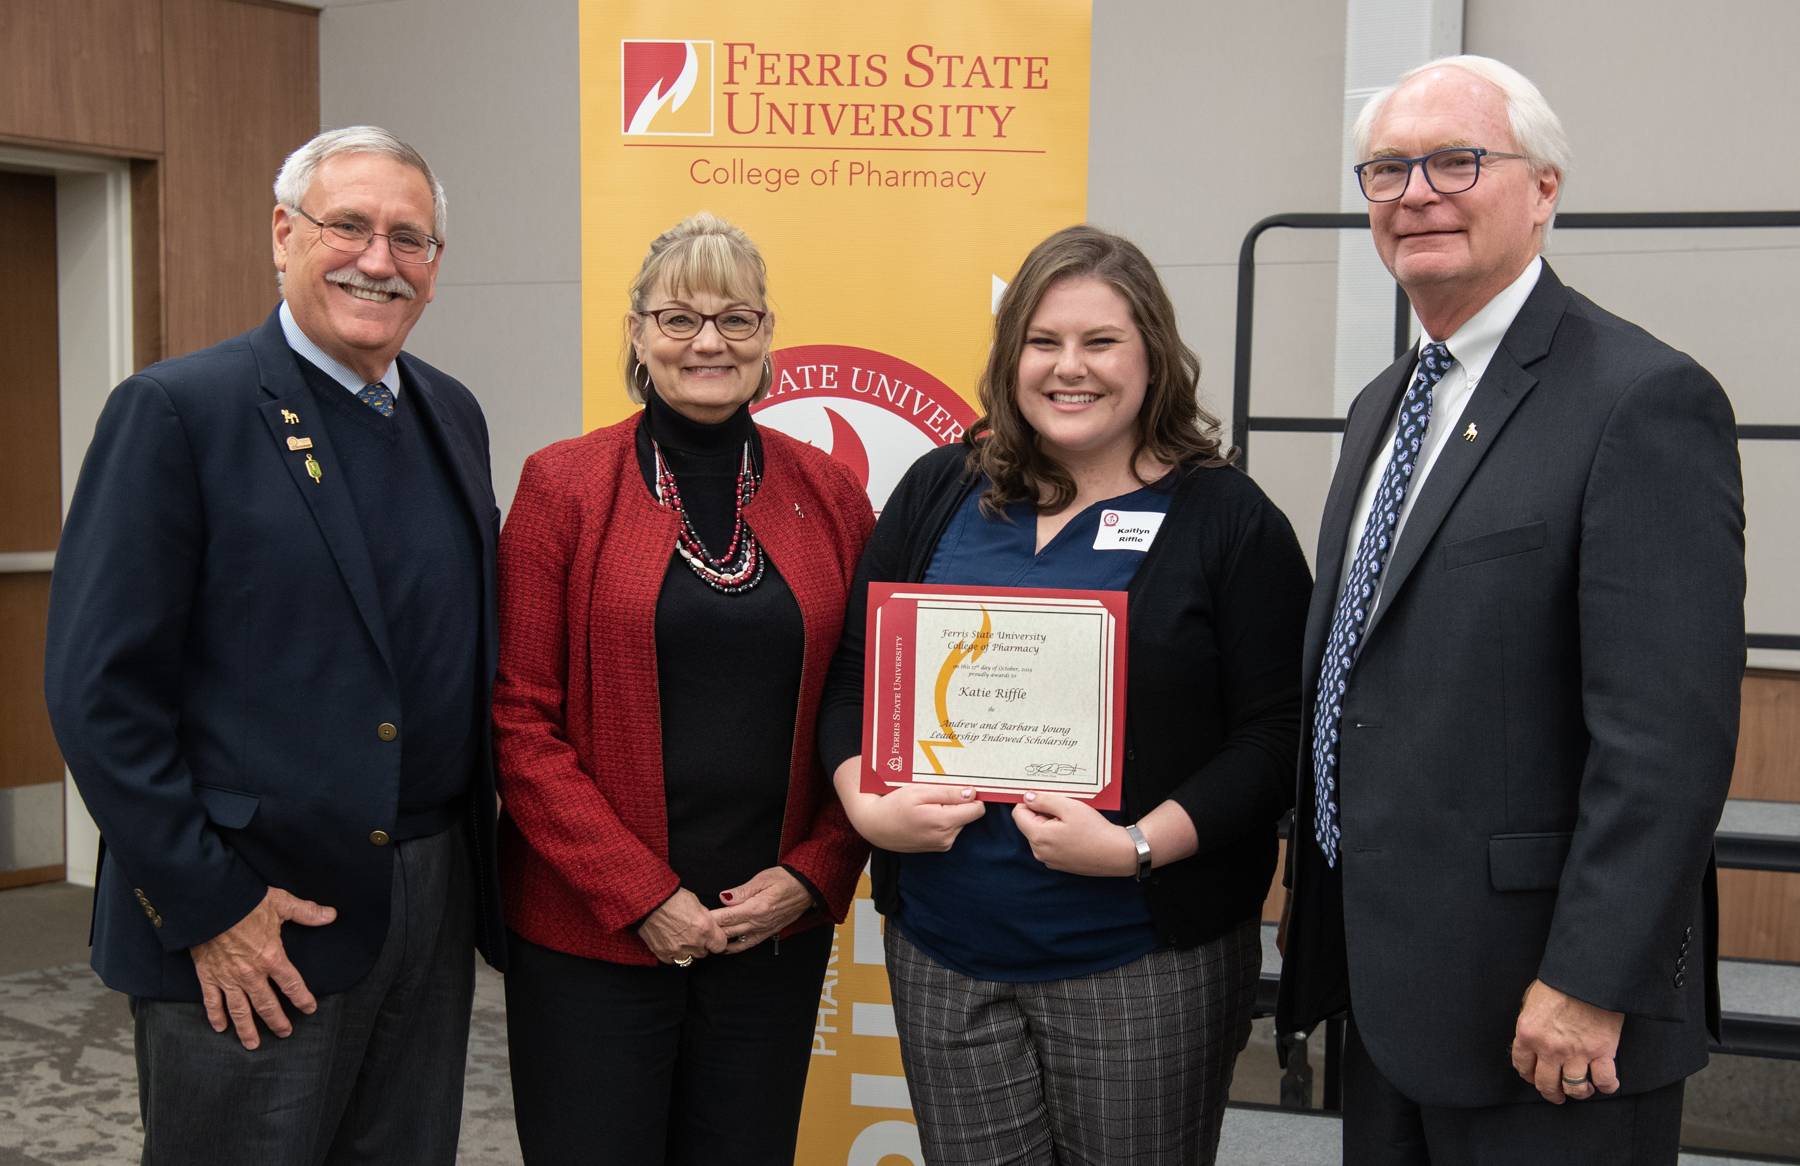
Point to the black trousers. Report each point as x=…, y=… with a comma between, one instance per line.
x=374, y=1076
x=1383, y=1126
x=646, y=1066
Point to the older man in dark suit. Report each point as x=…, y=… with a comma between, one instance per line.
x=1522, y=677
x=271, y=646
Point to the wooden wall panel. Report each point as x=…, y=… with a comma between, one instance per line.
x=28, y=753
x=1759, y=915
x=1768, y=757
x=83, y=73
x=31, y=468
x=146, y=264
x=242, y=93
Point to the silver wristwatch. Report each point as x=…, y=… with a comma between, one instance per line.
x=1143, y=850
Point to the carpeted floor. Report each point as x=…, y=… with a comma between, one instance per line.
x=68, y=1086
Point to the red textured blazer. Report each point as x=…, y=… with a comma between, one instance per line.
x=584, y=836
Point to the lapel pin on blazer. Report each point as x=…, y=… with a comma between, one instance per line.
x=291, y=417
x=1469, y=434
x=295, y=443
x=312, y=467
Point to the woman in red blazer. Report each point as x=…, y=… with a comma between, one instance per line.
x=671, y=591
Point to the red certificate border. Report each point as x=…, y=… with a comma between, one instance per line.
x=889, y=721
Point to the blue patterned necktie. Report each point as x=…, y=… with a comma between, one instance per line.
x=1357, y=600
x=377, y=397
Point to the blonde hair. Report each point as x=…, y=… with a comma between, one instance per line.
x=702, y=253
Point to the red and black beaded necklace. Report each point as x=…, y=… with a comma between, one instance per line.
x=740, y=568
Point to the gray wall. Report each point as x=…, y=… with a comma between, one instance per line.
x=1206, y=117
x=489, y=94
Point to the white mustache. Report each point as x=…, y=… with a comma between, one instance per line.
x=392, y=285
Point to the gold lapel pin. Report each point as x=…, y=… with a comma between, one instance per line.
x=1469, y=434
x=299, y=443
x=312, y=467
x=291, y=417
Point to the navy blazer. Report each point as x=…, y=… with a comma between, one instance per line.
x=1538, y=736
x=218, y=671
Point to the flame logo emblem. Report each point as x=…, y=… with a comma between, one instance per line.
x=848, y=448
x=658, y=79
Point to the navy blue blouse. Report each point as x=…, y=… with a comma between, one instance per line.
x=987, y=908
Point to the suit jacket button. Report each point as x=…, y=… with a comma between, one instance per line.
x=1681, y=979
x=378, y=837
x=386, y=731
x=155, y=919
x=1687, y=933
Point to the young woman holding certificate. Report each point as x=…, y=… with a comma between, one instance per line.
x=1072, y=986
x=671, y=589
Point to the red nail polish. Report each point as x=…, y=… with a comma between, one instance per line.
x=725, y=895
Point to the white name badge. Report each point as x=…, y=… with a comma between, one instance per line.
x=1127, y=530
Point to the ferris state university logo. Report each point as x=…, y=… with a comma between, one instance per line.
x=666, y=87
x=873, y=412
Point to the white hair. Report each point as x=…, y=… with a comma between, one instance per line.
x=1536, y=129
x=296, y=174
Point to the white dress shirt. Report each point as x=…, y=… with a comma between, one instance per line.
x=1473, y=345
x=343, y=374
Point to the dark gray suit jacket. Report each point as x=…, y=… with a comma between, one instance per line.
x=218, y=668
x=1539, y=734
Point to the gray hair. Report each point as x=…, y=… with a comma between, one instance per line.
x=297, y=172
x=1536, y=129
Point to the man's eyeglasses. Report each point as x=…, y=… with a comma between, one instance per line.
x=1448, y=171
x=354, y=238
x=685, y=323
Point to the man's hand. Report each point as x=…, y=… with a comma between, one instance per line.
x=1560, y=1040
x=236, y=966
x=682, y=929
x=760, y=908
x=1069, y=835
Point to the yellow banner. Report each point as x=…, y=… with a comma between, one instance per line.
x=894, y=164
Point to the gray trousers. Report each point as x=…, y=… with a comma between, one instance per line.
x=375, y=1075
x=1131, y=1065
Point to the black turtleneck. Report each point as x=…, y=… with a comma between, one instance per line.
x=728, y=670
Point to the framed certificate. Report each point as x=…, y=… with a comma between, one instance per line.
x=1006, y=690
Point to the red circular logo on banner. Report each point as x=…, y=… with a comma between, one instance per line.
x=874, y=412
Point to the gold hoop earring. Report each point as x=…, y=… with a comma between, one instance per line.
x=643, y=380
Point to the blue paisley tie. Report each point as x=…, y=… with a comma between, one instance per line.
x=377, y=397
x=1357, y=600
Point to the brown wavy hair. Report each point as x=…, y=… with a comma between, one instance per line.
x=1172, y=428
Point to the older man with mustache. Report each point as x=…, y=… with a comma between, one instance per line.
x=271, y=645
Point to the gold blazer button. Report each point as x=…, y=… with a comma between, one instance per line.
x=378, y=837
x=386, y=731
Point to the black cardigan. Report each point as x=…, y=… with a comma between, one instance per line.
x=1212, y=707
